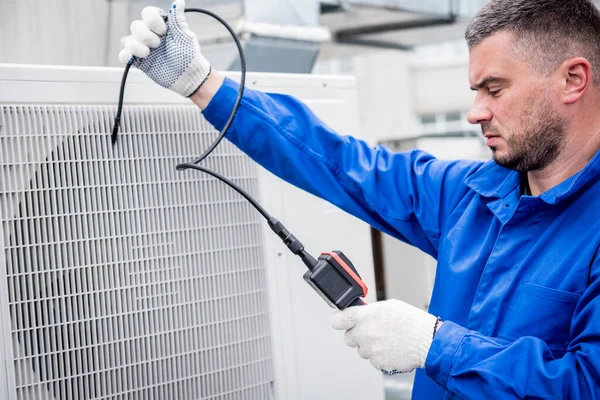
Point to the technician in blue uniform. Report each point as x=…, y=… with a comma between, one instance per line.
x=516, y=238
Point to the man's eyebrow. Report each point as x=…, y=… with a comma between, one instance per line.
x=486, y=81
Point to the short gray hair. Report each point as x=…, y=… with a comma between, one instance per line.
x=547, y=32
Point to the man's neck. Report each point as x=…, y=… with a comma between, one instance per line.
x=573, y=159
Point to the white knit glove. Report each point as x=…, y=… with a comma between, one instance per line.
x=169, y=52
x=393, y=335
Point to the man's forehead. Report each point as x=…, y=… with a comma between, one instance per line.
x=496, y=47
x=492, y=60
x=487, y=70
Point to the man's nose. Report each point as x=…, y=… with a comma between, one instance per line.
x=479, y=112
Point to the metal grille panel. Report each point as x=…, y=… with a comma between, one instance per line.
x=127, y=278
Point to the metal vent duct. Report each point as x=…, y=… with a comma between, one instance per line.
x=393, y=24
x=277, y=36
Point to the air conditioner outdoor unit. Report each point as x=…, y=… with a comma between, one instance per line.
x=122, y=278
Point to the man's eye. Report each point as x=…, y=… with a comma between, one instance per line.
x=494, y=93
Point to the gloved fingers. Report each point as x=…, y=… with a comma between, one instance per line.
x=144, y=35
x=376, y=364
x=345, y=319
x=351, y=338
x=177, y=17
x=124, y=56
x=387, y=367
x=136, y=48
x=153, y=19
x=363, y=352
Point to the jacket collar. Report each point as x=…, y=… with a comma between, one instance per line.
x=492, y=180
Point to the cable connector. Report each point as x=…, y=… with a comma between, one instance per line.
x=288, y=239
x=292, y=243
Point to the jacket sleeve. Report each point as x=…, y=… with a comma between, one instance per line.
x=403, y=194
x=473, y=366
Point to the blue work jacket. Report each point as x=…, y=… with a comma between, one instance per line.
x=518, y=277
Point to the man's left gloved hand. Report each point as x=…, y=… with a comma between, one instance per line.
x=393, y=335
x=165, y=48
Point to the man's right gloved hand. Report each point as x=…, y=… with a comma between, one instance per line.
x=163, y=46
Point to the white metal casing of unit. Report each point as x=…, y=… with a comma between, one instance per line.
x=291, y=351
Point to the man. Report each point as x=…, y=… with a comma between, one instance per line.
x=516, y=238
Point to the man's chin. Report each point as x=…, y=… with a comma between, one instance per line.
x=509, y=163
x=502, y=161
x=497, y=156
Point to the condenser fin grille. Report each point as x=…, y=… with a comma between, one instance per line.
x=126, y=278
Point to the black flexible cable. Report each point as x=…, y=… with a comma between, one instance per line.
x=117, y=123
x=232, y=185
x=286, y=236
x=288, y=239
x=236, y=105
x=215, y=143
x=238, y=99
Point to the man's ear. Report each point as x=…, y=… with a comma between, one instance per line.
x=576, y=74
